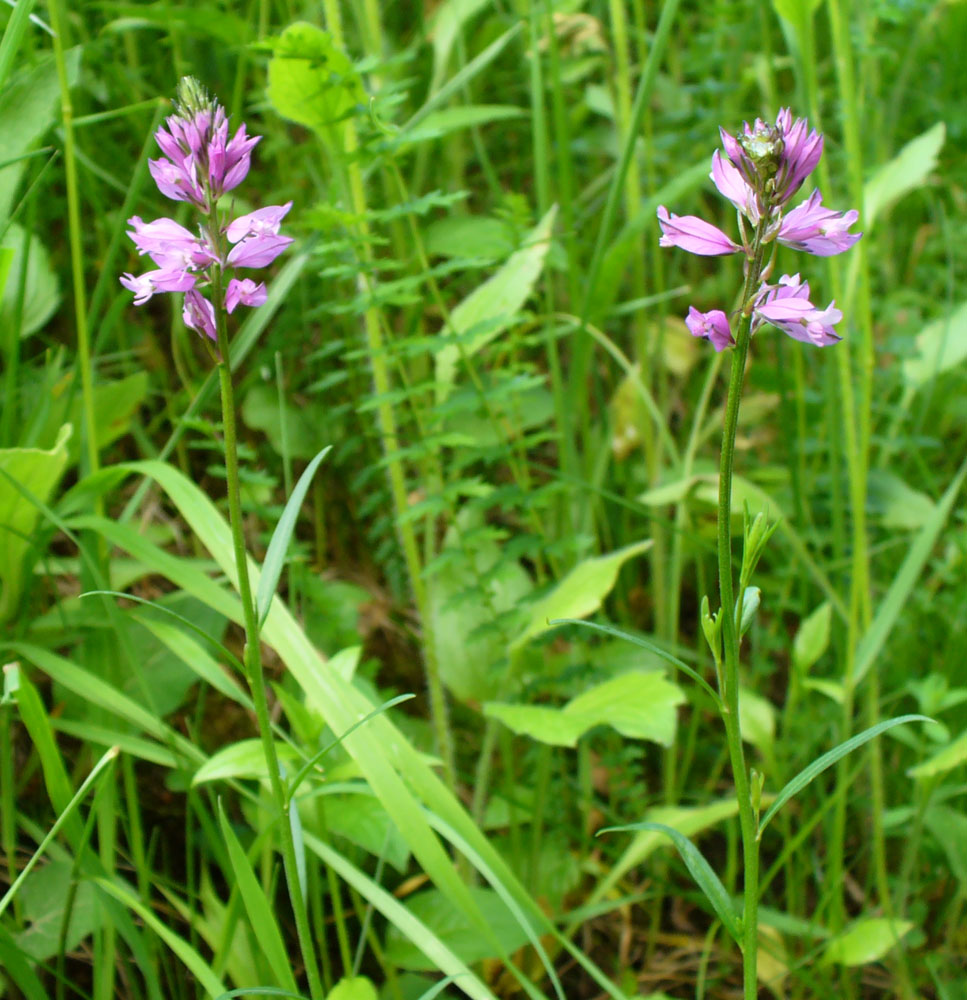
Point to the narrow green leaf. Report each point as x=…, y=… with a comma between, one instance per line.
x=260, y=912
x=952, y=755
x=701, y=871
x=903, y=583
x=279, y=545
x=807, y=774
x=650, y=646
x=195, y=964
x=580, y=592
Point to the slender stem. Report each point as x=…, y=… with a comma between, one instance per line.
x=730, y=637
x=252, y=655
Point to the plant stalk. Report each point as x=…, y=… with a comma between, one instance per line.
x=252, y=655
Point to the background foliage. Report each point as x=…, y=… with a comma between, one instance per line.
x=477, y=318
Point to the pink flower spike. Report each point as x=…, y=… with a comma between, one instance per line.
x=261, y=221
x=732, y=185
x=199, y=314
x=693, y=234
x=245, y=292
x=713, y=326
x=821, y=231
x=258, y=251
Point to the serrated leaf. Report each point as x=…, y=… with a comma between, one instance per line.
x=580, y=592
x=310, y=80
x=906, y=172
x=487, y=311
x=866, y=941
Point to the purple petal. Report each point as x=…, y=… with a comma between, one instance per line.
x=199, y=314
x=262, y=221
x=694, y=235
x=787, y=309
x=258, y=251
x=732, y=185
x=821, y=231
x=713, y=326
x=245, y=292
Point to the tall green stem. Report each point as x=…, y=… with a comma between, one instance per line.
x=730, y=638
x=252, y=655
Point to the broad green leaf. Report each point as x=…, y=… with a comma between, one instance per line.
x=906, y=172
x=39, y=472
x=807, y=774
x=43, y=899
x=812, y=639
x=244, y=759
x=279, y=545
x=42, y=289
x=353, y=988
x=439, y=914
x=700, y=870
x=895, y=503
x=757, y=717
x=488, y=310
x=464, y=596
x=952, y=755
x=940, y=346
x=540, y=722
x=581, y=592
x=311, y=81
x=949, y=829
x=640, y=706
x=261, y=411
x=469, y=236
x=261, y=913
x=866, y=941
x=903, y=583
x=363, y=821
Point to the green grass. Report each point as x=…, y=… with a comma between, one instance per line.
x=477, y=319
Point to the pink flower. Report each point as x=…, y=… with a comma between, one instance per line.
x=245, y=292
x=787, y=307
x=199, y=314
x=817, y=230
x=694, y=235
x=263, y=221
x=733, y=186
x=258, y=251
x=166, y=242
x=713, y=326
x=162, y=280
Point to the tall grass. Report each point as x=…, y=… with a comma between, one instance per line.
x=477, y=319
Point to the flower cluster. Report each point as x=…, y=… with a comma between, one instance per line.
x=200, y=163
x=761, y=171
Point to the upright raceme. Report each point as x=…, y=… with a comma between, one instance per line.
x=201, y=163
x=761, y=170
